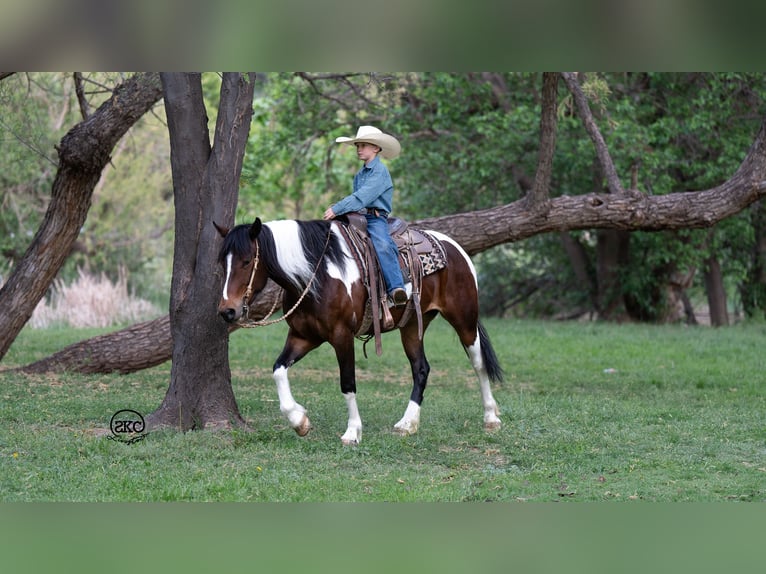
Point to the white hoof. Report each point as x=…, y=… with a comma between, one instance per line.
x=491, y=419
x=406, y=427
x=352, y=437
x=493, y=425
x=303, y=427
x=410, y=421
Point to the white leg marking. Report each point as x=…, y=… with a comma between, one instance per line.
x=491, y=412
x=353, y=434
x=228, y=274
x=292, y=411
x=410, y=421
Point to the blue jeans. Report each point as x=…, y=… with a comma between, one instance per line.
x=388, y=254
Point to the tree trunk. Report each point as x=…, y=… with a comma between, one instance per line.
x=134, y=348
x=83, y=154
x=138, y=347
x=579, y=261
x=716, y=294
x=205, y=184
x=612, y=250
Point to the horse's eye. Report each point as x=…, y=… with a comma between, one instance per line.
x=246, y=262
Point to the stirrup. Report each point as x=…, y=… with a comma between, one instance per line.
x=399, y=297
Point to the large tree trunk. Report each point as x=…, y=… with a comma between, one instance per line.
x=206, y=184
x=83, y=154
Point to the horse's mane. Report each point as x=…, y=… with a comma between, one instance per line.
x=313, y=237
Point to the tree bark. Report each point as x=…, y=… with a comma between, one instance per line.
x=137, y=347
x=206, y=184
x=83, y=154
x=541, y=187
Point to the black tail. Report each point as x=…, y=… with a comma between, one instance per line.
x=494, y=370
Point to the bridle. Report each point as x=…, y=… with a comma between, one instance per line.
x=249, y=290
x=248, y=323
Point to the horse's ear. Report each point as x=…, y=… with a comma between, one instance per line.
x=224, y=231
x=255, y=228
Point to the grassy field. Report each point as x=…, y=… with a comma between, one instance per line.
x=591, y=412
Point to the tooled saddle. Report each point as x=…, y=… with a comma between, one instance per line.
x=420, y=254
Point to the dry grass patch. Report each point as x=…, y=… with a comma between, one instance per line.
x=91, y=302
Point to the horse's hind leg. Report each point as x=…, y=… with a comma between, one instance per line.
x=295, y=348
x=485, y=365
x=482, y=356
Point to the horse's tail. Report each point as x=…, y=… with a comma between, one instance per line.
x=494, y=370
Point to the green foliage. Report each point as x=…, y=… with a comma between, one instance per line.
x=130, y=222
x=33, y=116
x=469, y=140
x=592, y=412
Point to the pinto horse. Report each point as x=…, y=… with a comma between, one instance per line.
x=324, y=301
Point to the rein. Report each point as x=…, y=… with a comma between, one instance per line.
x=250, y=323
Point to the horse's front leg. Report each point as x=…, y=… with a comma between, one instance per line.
x=344, y=352
x=294, y=350
x=413, y=348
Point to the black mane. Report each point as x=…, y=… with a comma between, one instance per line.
x=313, y=236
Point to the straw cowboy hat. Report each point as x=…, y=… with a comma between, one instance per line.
x=389, y=145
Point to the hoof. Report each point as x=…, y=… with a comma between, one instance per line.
x=352, y=436
x=303, y=427
x=492, y=426
x=406, y=429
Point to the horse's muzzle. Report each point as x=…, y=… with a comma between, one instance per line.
x=229, y=315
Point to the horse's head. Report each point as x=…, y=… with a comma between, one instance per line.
x=244, y=273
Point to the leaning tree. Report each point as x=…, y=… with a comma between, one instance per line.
x=83, y=153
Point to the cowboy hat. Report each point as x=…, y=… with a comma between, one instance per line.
x=388, y=145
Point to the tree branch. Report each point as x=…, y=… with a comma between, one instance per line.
x=479, y=230
x=81, y=100
x=583, y=110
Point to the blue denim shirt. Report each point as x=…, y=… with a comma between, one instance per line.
x=373, y=188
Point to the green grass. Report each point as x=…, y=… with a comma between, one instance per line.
x=591, y=412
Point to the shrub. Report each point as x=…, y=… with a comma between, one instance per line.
x=91, y=302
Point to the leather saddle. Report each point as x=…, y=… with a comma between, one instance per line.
x=420, y=254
